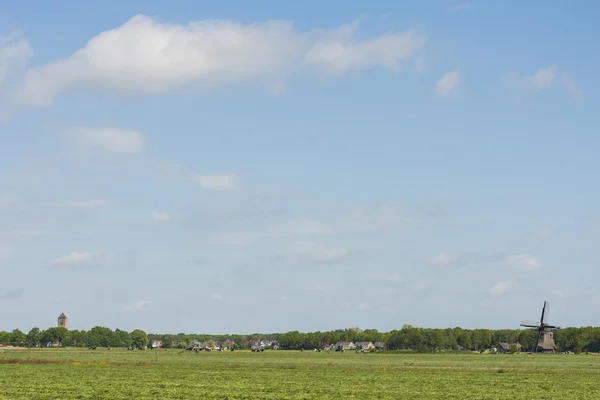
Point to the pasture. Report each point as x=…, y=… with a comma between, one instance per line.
x=176, y=374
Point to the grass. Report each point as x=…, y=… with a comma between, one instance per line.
x=175, y=374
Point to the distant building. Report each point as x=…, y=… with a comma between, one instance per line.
x=63, y=321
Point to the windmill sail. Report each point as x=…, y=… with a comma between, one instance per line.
x=543, y=312
x=530, y=324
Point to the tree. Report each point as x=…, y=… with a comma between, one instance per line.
x=167, y=341
x=33, y=337
x=5, y=337
x=99, y=336
x=17, y=336
x=139, y=338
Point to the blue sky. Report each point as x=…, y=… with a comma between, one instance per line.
x=269, y=166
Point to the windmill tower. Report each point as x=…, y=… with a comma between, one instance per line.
x=63, y=321
x=545, y=338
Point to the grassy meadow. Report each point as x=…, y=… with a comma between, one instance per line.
x=176, y=374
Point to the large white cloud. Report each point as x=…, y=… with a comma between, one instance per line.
x=147, y=56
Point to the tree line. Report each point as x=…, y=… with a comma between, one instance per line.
x=585, y=339
x=97, y=336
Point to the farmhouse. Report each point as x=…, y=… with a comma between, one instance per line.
x=157, y=344
x=505, y=347
x=364, y=346
x=380, y=345
x=344, y=346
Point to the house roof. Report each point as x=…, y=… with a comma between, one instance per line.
x=62, y=315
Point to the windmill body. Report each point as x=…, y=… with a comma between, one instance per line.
x=545, y=338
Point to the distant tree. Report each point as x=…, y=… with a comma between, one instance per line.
x=210, y=343
x=33, y=337
x=167, y=341
x=5, y=337
x=16, y=336
x=139, y=338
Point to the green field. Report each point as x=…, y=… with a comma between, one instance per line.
x=176, y=374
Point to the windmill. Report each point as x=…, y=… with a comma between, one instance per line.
x=545, y=338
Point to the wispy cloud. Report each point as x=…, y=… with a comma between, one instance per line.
x=541, y=80
x=161, y=216
x=140, y=305
x=77, y=203
x=72, y=259
x=500, y=288
x=215, y=181
x=12, y=294
x=116, y=140
x=448, y=83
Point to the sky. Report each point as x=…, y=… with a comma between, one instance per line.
x=267, y=166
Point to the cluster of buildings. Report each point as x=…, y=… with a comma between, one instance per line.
x=360, y=346
x=210, y=345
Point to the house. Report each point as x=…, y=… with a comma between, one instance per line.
x=505, y=347
x=194, y=343
x=157, y=344
x=344, y=346
x=364, y=346
x=326, y=347
x=227, y=344
x=380, y=345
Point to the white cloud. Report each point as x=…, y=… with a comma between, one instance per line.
x=525, y=262
x=287, y=228
x=372, y=218
x=444, y=259
x=161, y=216
x=216, y=297
x=390, y=291
x=139, y=305
x=106, y=138
x=364, y=307
x=325, y=255
x=15, y=53
x=397, y=278
x=340, y=53
x=215, y=181
x=276, y=88
x=500, y=288
x=147, y=56
x=12, y=294
x=74, y=258
x=461, y=6
x=31, y=232
x=542, y=79
x=77, y=203
x=447, y=83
